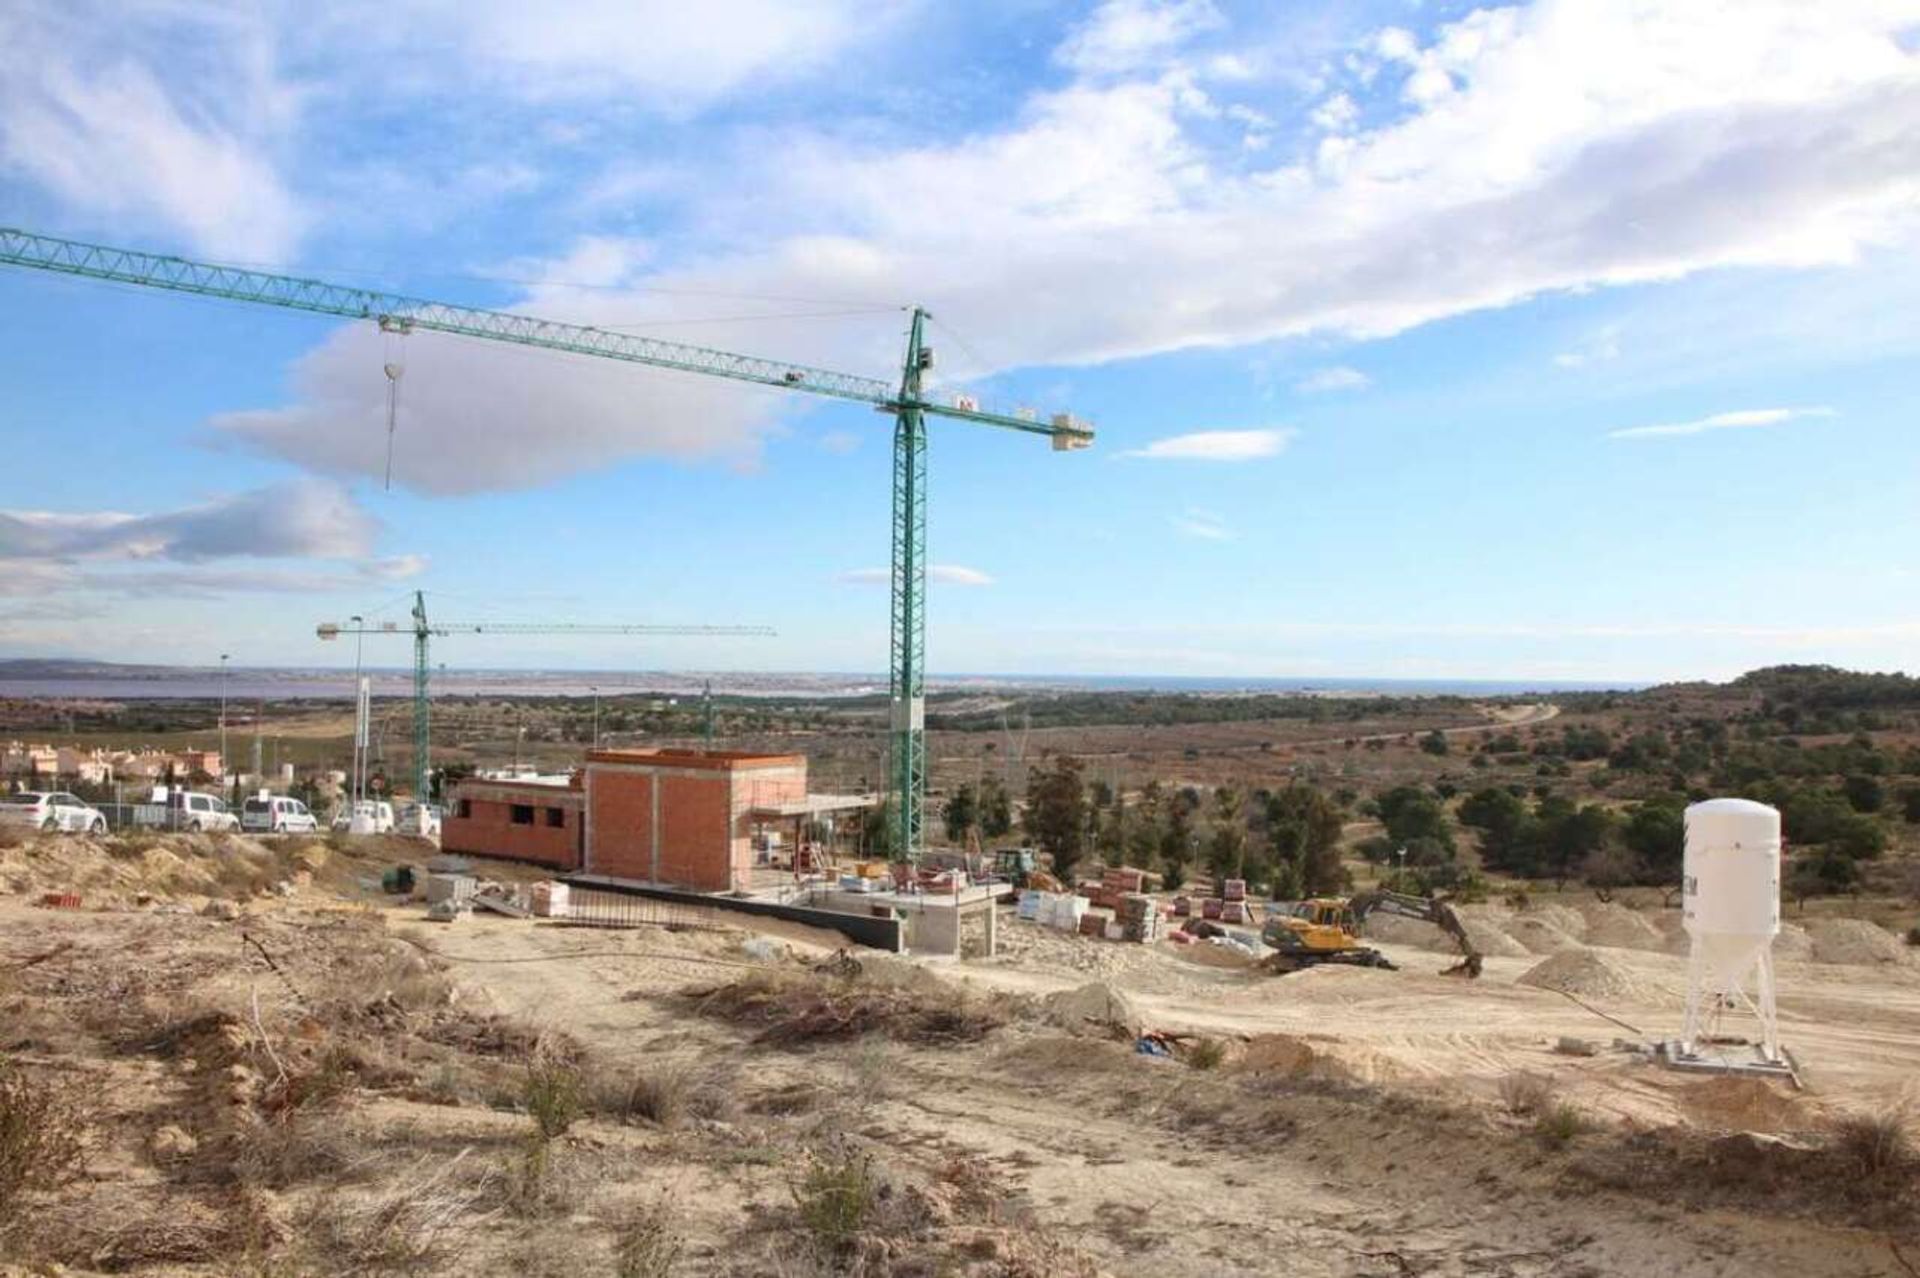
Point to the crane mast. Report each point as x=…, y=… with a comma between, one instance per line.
x=394, y=312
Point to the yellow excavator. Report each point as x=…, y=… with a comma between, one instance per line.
x=1327, y=930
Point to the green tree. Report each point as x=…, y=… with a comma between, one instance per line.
x=1411, y=812
x=996, y=809
x=1176, y=838
x=876, y=831
x=961, y=812
x=1056, y=816
x=1434, y=742
x=1656, y=834
x=1864, y=792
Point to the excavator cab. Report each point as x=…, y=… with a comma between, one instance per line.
x=1321, y=930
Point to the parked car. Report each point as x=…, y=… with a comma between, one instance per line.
x=205, y=812
x=421, y=819
x=277, y=814
x=52, y=810
x=369, y=816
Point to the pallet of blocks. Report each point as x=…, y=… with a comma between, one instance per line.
x=1139, y=918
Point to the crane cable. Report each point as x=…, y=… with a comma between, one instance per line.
x=393, y=369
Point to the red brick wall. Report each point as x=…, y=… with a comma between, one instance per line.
x=620, y=810
x=488, y=828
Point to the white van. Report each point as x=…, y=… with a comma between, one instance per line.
x=369, y=816
x=205, y=812
x=277, y=814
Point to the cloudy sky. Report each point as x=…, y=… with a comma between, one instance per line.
x=1570, y=339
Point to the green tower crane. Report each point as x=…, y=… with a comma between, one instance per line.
x=906, y=403
x=422, y=631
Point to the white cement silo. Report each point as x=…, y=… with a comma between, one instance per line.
x=1732, y=895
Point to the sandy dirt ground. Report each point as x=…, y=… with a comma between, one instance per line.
x=1355, y=1125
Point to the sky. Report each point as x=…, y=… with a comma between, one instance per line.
x=1570, y=339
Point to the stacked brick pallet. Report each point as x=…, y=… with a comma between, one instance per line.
x=1139, y=918
x=1227, y=904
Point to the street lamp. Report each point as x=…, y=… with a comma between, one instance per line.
x=596, y=716
x=223, y=715
x=359, y=640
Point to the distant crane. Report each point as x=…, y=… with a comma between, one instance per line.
x=907, y=404
x=422, y=630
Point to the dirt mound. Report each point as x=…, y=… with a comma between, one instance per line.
x=1584, y=973
x=1095, y=1005
x=1487, y=936
x=139, y=868
x=1564, y=917
x=1740, y=1105
x=1854, y=942
x=1617, y=927
x=1539, y=936
x=1293, y=1056
x=1793, y=945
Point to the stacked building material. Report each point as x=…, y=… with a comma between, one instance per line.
x=1094, y=923
x=1182, y=906
x=1139, y=918
x=1233, y=890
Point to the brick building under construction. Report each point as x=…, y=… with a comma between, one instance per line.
x=685, y=818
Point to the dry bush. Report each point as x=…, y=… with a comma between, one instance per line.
x=649, y=1242
x=12, y=836
x=1876, y=1148
x=43, y=1135
x=836, y=1193
x=792, y=1011
x=551, y=1091
x=871, y=1068
x=290, y=1149
x=1523, y=1092
x=409, y=1226
x=661, y=1093
x=1557, y=1124
x=1207, y=1053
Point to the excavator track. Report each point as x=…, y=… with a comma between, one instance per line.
x=1287, y=961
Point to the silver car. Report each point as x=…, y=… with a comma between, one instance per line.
x=51, y=810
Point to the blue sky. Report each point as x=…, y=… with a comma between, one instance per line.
x=1570, y=339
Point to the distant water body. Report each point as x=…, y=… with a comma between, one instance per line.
x=244, y=686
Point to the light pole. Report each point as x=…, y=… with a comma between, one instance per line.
x=223, y=717
x=359, y=641
x=596, y=716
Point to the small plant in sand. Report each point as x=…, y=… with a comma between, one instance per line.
x=42, y=1136
x=1524, y=1093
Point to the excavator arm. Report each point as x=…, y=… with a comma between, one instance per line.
x=1427, y=910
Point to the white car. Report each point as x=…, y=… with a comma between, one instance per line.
x=419, y=819
x=51, y=810
x=369, y=816
x=277, y=814
x=203, y=812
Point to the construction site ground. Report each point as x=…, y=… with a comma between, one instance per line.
x=297, y=1075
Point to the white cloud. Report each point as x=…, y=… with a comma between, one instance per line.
x=839, y=442
x=84, y=118
x=1738, y=420
x=941, y=574
x=177, y=552
x=1216, y=445
x=1601, y=348
x=1578, y=145
x=1203, y=524
x=305, y=519
x=1337, y=378
x=1127, y=35
x=1336, y=115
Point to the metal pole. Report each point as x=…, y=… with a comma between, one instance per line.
x=596, y=717
x=224, y=767
x=359, y=642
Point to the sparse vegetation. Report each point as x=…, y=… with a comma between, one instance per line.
x=1877, y=1149
x=650, y=1242
x=1556, y=1124
x=1524, y=1094
x=1206, y=1053
x=794, y=1010
x=43, y=1133
x=551, y=1091
x=835, y=1194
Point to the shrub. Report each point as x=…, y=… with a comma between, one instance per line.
x=1523, y=1092
x=551, y=1092
x=1876, y=1147
x=649, y=1244
x=42, y=1137
x=1913, y=936
x=659, y=1093
x=835, y=1195
x=1207, y=1053
x=1558, y=1124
